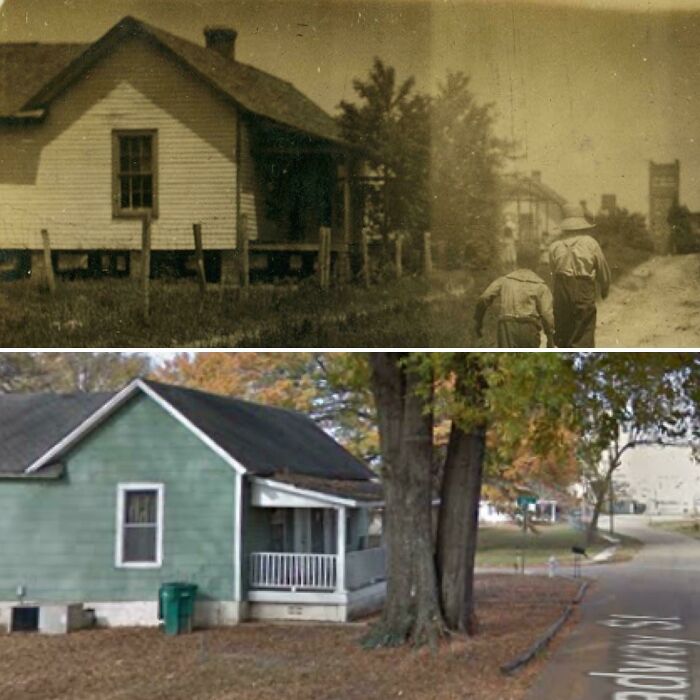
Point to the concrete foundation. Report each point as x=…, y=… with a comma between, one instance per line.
x=60, y=618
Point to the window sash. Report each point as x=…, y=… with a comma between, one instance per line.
x=135, y=159
x=139, y=525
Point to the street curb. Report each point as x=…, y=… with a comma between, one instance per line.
x=581, y=592
x=528, y=655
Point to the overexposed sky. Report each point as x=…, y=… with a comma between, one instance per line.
x=590, y=90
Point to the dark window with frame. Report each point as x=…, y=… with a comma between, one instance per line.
x=140, y=529
x=135, y=160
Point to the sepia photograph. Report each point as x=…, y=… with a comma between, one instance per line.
x=349, y=173
x=297, y=525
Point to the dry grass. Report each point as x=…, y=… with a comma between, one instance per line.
x=274, y=661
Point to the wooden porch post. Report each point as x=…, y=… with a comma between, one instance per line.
x=344, y=252
x=340, y=549
x=244, y=243
x=146, y=264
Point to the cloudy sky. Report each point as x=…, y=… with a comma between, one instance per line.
x=591, y=90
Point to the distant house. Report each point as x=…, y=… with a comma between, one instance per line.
x=104, y=497
x=95, y=136
x=533, y=207
x=663, y=480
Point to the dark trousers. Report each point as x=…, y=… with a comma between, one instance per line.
x=518, y=333
x=574, y=312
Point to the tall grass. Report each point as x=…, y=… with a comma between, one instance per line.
x=109, y=313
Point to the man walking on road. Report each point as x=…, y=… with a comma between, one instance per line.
x=526, y=305
x=577, y=263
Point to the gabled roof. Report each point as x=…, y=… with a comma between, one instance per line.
x=30, y=424
x=26, y=68
x=52, y=67
x=256, y=439
x=513, y=184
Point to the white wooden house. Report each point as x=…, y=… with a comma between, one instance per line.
x=531, y=206
x=94, y=136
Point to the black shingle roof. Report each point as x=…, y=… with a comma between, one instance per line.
x=267, y=441
x=31, y=424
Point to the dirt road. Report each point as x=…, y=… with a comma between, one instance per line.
x=656, y=305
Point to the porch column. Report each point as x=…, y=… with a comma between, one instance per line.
x=340, y=549
x=343, y=253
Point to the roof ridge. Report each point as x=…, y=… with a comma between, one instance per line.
x=227, y=397
x=218, y=56
x=45, y=43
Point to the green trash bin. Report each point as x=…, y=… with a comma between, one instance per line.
x=176, y=606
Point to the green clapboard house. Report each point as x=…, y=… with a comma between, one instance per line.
x=104, y=497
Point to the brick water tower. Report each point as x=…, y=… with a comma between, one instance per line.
x=664, y=189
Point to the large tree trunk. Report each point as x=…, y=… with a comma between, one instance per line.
x=458, y=527
x=600, y=494
x=458, y=522
x=412, y=610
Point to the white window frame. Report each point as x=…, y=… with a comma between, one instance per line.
x=122, y=490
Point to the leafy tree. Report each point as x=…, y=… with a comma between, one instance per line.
x=464, y=174
x=391, y=122
x=682, y=238
x=512, y=398
x=623, y=228
x=624, y=400
x=70, y=371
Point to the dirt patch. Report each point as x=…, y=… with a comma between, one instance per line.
x=655, y=305
x=271, y=661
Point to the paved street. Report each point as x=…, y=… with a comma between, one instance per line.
x=639, y=634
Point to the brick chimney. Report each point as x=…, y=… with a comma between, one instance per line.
x=222, y=40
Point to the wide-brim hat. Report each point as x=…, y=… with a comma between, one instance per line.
x=574, y=219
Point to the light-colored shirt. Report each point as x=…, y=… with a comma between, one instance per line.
x=523, y=294
x=579, y=256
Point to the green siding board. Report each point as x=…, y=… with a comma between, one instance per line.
x=58, y=538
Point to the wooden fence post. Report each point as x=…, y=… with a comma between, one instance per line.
x=324, y=257
x=365, y=259
x=245, y=256
x=199, y=255
x=399, y=254
x=427, y=254
x=48, y=265
x=146, y=264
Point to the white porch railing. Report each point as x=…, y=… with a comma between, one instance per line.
x=365, y=567
x=294, y=572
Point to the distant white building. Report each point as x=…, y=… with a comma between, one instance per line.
x=490, y=513
x=665, y=479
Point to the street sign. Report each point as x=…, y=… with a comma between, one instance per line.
x=523, y=501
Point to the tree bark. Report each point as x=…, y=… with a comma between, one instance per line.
x=600, y=494
x=412, y=610
x=458, y=521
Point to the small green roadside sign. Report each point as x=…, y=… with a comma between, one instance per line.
x=524, y=501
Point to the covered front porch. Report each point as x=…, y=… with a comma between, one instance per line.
x=301, y=186
x=313, y=555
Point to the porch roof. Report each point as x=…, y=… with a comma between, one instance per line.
x=353, y=492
